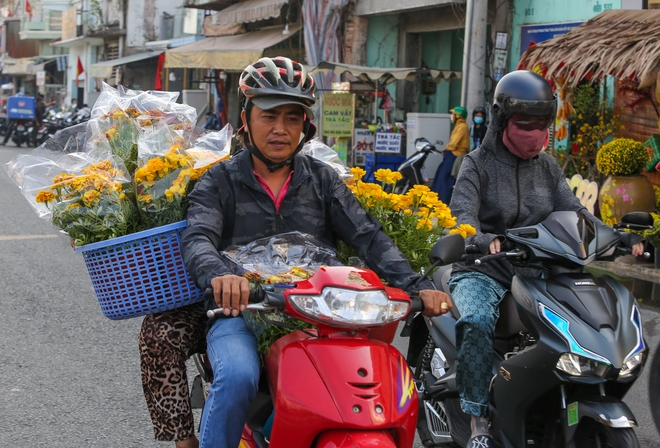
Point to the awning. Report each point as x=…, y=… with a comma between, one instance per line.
x=385, y=75
x=227, y=52
x=104, y=69
x=249, y=11
x=78, y=41
x=621, y=43
x=42, y=66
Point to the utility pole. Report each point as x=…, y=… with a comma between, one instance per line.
x=474, y=55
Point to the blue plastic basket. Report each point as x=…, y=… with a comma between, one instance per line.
x=142, y=273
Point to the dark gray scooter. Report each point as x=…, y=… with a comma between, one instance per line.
x=568, y=346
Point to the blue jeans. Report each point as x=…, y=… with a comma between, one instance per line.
x=477, y=298
x=232, y=351
x=443, y=183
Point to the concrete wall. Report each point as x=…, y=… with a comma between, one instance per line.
x=444, y=50
x=144, y=20
x=372, y=7
x=532, y=12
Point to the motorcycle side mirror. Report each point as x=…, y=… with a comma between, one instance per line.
x=638, y=219
x=448, y=249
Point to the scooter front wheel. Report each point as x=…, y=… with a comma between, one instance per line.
x=592, y=433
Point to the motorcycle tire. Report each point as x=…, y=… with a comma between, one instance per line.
x=654, y=388
x=592, y=433
x=424, y=427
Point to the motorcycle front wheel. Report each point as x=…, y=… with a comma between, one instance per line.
x=591, y=433
x=432, y=421
x=654, y=388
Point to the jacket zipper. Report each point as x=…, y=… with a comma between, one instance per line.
x=518, y=190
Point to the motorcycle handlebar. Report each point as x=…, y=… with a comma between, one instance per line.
x=416, y=304
x=259, y=300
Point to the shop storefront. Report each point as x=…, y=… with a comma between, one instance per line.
x=358, y=115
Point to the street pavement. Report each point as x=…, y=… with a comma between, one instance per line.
x=70, y=376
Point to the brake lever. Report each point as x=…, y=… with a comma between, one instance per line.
x=510, y=254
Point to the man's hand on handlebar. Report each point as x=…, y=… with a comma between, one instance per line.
x=231, y=293
x=435, y=302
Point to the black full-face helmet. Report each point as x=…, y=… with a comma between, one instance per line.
x=273, y=82
x=523, y=92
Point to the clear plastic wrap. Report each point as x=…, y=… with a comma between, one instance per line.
x=119, y=116
x=85, y=179
x=168, y=168
x=278, y=260
x=82, y=196
x=320, y=151
x=284, y=258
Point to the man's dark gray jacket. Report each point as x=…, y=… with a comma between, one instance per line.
x=228, y=206
x=496, y=190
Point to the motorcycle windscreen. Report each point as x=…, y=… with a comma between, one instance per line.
x=573, y=229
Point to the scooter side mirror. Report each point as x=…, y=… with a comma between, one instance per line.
x=448, y=249
x=638, y=219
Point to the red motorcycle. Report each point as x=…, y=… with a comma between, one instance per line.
x=341, y=384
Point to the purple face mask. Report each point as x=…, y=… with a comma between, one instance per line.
x=524, y=143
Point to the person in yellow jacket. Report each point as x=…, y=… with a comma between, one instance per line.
x=459, y=143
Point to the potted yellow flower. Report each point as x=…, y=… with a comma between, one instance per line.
x=625, y=189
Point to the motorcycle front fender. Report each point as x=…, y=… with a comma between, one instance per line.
x=355, y=439
x=608, y=411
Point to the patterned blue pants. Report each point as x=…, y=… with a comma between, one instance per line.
x=477, y=298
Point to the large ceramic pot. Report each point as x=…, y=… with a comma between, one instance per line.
x=623, y=194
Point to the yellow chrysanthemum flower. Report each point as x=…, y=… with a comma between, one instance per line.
x=358, y=173
x=464, y=230
x=45, y=196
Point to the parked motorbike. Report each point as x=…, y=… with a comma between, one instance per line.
x=412, y=169
x=568, y=346
x=22, y=132
x=4, y=125
x=50, y=125
x=343, y=379
x=81, y=116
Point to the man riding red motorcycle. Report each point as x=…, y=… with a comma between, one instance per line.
x=267, y=190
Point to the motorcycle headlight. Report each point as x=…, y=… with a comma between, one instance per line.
x=350, y=308
x=577, y=365
x=630, y=363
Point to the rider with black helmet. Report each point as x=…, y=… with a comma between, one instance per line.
x=507, y=182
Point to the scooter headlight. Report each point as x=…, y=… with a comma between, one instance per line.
x=630, y=364
x=577, y=365
x=351, y=308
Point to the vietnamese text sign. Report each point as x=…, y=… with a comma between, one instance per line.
x=338, y=114
x=388, y=142
x=41, y=78
x=540, y=33
x=365, y=140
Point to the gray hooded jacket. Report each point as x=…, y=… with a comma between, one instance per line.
x=228, y=206
x=496, y=190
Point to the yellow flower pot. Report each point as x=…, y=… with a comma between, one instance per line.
x=624, y=194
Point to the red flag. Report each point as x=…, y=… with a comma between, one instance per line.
x=159, y=72
x=28, y=8
x=79, y=70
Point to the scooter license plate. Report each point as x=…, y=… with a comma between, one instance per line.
x=20, y=128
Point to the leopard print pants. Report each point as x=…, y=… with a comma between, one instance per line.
x=167, y=340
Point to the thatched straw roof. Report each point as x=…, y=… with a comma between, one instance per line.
x=621, y=43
